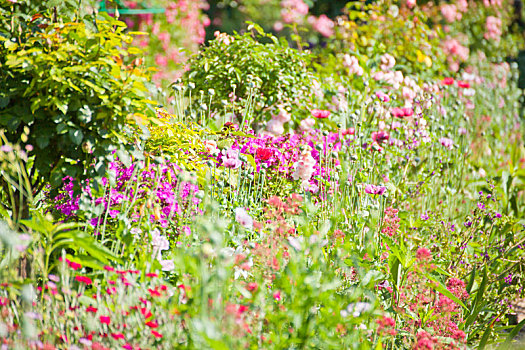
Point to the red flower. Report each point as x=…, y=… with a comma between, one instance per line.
x=145, y=312
x=117, y=336
x=105, y=320
x=73, y=265
x=320, y=113
x=91, y=309
x=264, y=153
x=151, y=275
x=109, y=268
x=156, y=334
x=154, y=292
x=84, y=279
x=242, y=309
x=152, y=324
x=447, y=81
x=463, y=84
x=3, y=301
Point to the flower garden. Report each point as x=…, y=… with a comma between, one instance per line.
x=279, y=174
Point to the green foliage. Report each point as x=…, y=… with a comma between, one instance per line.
x=254, y=69
x=67, y=83
x=362, y=32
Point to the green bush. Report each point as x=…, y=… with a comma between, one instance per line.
x=251, y=76
x=67, y=87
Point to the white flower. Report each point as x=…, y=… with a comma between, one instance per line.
x=356, y=309
x=159, y=243
x=296, y=242
x=243, y=218
x=275, y=127
x=304, y=167
x=167, y=265
x=306, y=124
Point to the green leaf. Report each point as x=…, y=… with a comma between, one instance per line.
x=76, y=136
x=251, y=161
x=476, y=306
x=440, y=287
x=86, y=260
x=93, y=248
x=4, y=101
x=42, y=141
x=512, y=335
x=484, y=338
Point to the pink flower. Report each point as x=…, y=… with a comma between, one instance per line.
x=447, y=81
x=373, y=189
x=320, y=113
x=252, y=286
x=352, y=64
x=387, y=62
x=423, y=254
x=493, y=26
x=446, y=142
x=161, y=60
x=323, y=25
x=380, y=136
x=382, y=96
x=277, y=295
x=167, y=265
x=293, y=11
x=449, y=11
x=411, y=3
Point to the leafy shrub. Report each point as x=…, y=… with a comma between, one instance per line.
x=72, y=74
x=415, y=45
x=243, y=75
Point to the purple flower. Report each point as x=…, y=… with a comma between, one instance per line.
x=373, y=189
